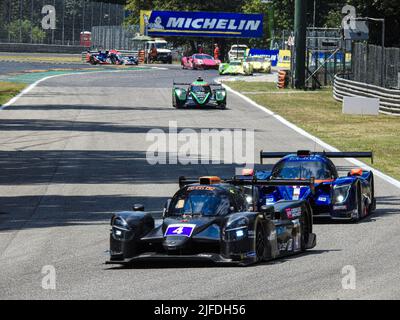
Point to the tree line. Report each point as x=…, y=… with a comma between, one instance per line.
x=327, y=13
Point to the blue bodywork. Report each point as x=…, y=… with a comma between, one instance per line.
x=350, y=197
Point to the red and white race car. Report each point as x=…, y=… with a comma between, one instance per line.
x=200, y=61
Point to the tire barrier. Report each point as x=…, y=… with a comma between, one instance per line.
x=141, y=56
x=283, y=79
x=389, y=99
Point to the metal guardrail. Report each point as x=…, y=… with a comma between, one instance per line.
x=389, y=99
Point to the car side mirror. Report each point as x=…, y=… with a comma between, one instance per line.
x=268, y=211
x=166, y=207
x=138, y=207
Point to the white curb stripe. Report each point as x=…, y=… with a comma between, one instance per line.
x=323, y=144
x=25, y=91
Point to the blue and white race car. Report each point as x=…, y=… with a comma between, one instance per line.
x=349, y=197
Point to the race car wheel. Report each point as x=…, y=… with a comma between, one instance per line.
x=360, y=206
x=222, y=106
x=260, y=243
x=304, y=232
x=372, y=206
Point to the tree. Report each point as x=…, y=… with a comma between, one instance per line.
x=333, y=19
x=327, y=13
x=390, y=10
x=23, y=28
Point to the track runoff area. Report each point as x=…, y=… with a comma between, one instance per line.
x=75, y=149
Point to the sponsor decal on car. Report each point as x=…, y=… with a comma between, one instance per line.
x=207, y=188
x=270, y=200
x=251, y=254
x=184, y=230
x=293, y=212
x=339, y=207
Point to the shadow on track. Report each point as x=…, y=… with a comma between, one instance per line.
x=176, y=264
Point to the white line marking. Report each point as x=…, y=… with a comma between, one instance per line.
x=25, y=91
x=323, y=144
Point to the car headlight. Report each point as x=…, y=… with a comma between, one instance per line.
x=341, y=193
x=120, y=223
x=237, y=224
x=221, y=94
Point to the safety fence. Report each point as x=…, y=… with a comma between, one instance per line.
x=389, y=99
x=373, y=66
x=56, y=22
x=120, y=37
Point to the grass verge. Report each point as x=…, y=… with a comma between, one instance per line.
x=9, y=90
x=42, y=59
x=319, y=114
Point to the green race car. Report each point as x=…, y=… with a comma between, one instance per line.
x=236, y=67
x=198, y=94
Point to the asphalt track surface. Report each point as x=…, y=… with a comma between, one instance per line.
x=72, y=151
x=11, y=67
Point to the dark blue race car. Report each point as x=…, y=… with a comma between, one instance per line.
x=349, y=197
x=216, y=220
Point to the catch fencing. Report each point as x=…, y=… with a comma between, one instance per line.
x=24, y=21
x=114, y=37
x=372, y=66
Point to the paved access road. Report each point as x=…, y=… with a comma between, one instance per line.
x=72, y=151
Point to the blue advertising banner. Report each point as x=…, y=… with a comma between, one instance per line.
x=271, y=54
x=202, y=24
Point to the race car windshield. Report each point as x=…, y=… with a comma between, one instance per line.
x=235, y=63
x=199, y=202
x=203, y=57
x=302, y=170
x=205, y=89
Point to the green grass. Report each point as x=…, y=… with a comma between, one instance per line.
x=42, y=59
x=318, y=113
x=9, y=90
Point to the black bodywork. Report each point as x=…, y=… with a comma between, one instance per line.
x=214, y=222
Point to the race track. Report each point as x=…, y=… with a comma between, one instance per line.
x=72, y=151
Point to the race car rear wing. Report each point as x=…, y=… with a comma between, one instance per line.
x=253, y=181
x=184, y=181
x=275, y=155
x=188, y=84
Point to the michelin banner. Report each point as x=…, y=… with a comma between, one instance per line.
x=201, y=24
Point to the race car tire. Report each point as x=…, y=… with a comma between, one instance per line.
x=222, y=106
x=372, y=206
x=305, y=231
x=359, y=204
x=260, y=243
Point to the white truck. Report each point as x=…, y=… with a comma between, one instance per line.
x=237, y=52
x=164, y=54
